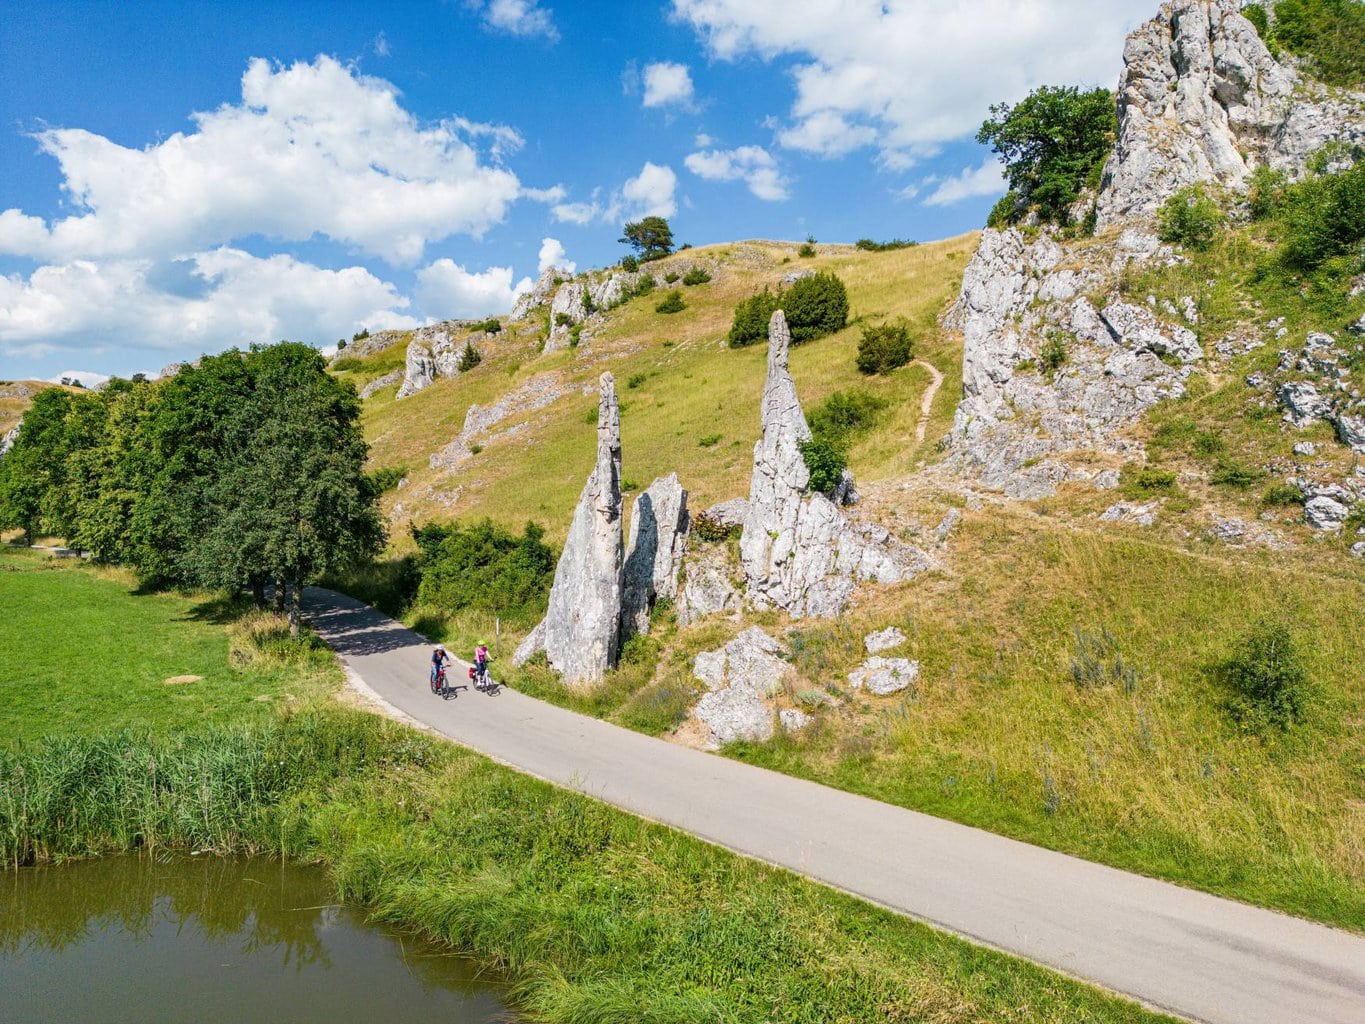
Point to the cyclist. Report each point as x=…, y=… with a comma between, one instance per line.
x=439, y=657
x=481, y=666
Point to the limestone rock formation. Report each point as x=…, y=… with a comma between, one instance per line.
x=728, y=513
x=380, y=383
x=7, y=442
x=883, y=640
x=884, y=676
x=659, y=526
x=434, y=352
x=566, y=309
x=541, y=292
x=800, y=552
x=741, y=678
x=582, y=628
x=707, y=588
x=1201, y=99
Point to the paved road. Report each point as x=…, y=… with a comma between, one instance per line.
x=1186, y=952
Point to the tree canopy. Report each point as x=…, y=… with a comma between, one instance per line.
x=651, y=238
x=1053, y=144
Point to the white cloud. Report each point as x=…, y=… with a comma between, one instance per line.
x=552, y=254
x=906, y=75
x=667, y=83
x=206, y=302
x=519, y=18
x=753, y=164
x=986, y=180
x=650, y=193
x=446, y=290
x=311, y=149
x=88, y=378
x=381, y=45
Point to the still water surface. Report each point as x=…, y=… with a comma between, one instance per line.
x=195, y=939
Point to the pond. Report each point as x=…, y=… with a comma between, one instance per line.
x=193, y=939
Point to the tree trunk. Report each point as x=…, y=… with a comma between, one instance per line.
x=258, y=591
x=295, y=610
x=281, y=592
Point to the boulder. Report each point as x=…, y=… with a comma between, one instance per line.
x=883, y=640
x=1325, y=512
x=729, y=513
x=1351, y=430
x=1201, y=99
x=1303, y=404
x=380, y=383
x=1135, y=327
x=658, y=540
x=741, y=679
x=794, y=720
x=581, y=632
x=433, y=352
x=883, y=676
x=707, y=588
x=1358, y=549
x=1128, y=512
x=947, y=525
x=567, y=308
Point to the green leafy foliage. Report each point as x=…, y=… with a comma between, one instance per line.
x=807, y=250
x=651, y=238
x=1324, y=218
x=1232, y=473
x=712, y=531
x=1190, y=218
x=470, y=357
x=1328, y=34
x=885, y=347
x=1053, y=144
x=484, y=567
x=672, y=303
x=490, y=326
x=696, y=276
x=1268, y=676
x=846, y=415
x=750, y=324
x=630, y=264
x=815, y=306
x=1004, y=212
x=868, y=245
x=386, y=479
x=825, y=461
x=1052, y=356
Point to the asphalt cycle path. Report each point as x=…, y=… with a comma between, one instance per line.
x=1173, y=949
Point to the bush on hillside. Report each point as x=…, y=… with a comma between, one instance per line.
x=695, y=276
x=884, y=348
x=1324, y=218
x=630, y=264
x=671, y=277
x=672, y=303
x=1268, y=677
x=470, y=357
x=1053, y=144
x=845, y=415
x=1190, y=218
x=815, y=306
x=386, y=479
x=750, y=324
x=868, y=245
x=807, y=249
x=825, y=461
x=490, y=326
x=1328, y=34
x=484, y=567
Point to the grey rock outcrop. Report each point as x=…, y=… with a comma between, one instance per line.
x=582, y=628
x=741, y=678
x=1135, y=327
x=1201, y=99
x=434, y=352
x=1325, y=512
x=883, y=640
x=380, y=383
x=11, y=435
x=729, y=513
x=794, y=719
x=541, y=292
x=566, y=309
x=1303, y=404
x=1129, y=512
x=707, y=588
x=659, y=525
x=884, y=676
x=800, y=553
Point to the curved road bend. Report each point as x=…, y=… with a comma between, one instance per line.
x=1175, y=949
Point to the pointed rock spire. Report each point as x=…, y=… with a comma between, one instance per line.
x=659, y=525
x=582, y=628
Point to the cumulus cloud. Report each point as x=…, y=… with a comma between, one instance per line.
x=552, y=254
x=752, y=164
x=205, y=302
x=446, y=290
x=986, y=180
x=312, y=149
x=519, y=18
x=650, y=193
x=907, y=75
x=667, y=84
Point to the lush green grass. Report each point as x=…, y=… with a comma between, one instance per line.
x=598, y=916
x=83, y=652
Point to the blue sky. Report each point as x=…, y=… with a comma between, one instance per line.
x=179, y=178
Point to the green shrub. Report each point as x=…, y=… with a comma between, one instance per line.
x=563, y=320
x=671, y=277
x=1053, y=354
x=1207, y=443
x=1003, y=213
x=709, y=441
x=884, y=348
x=1324, y=218
x=1053, y=144
x=1144, y=481
x=470, y=357
x=643, y=286
x=635, y=380
x=1190, y=218
x=1329, y=34
x=1266, y=192
x=825, y=461
x=868, y=245
x=815, y=306
x=630, y=264
x=491, y=326
x=346, y=363
x=575, y=335
x=695, y=276
x=672, y=303
x=386, y=479
x=845, y=415
x=484, y=567
x=1281, y=493
x=713, y=531
x=751, y=318
x=1236, y=474
x=1268, y=676
x=361, y=334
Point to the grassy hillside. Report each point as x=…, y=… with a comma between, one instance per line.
x=15, y=398
x=689, y=404
x=1150, y=769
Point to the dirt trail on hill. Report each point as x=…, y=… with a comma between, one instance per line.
x=1186, y=952
x=927, y=402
